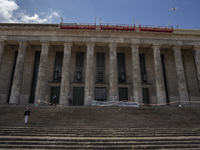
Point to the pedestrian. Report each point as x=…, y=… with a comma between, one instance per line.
x=54, y=100
x=26, y=115
x=70, y=101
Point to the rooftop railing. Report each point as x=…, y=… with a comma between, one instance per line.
x=152, y=28
x=122, y=27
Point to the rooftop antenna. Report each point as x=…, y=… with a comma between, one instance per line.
x=137, y=22
x=168, y=24
x=62, y=19
x=133, y=22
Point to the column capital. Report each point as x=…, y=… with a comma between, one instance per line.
x=112, y=45
x=196, y=47
x=45, y=43
x=23, y=42
x=176, y=47
x=156, y=46
x=67, y=43
x=2, y=42
x=90, y=44
x=134, y=45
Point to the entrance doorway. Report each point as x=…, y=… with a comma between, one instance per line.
x=123, y=94
x=145, y=94
x=100, y=93
x=56, y=91
x=78, y=96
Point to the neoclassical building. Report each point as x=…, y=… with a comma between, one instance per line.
x=98, y=62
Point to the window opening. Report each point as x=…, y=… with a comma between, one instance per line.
x=58, y=67
x=100, y=93
x=79, y=74
x=35, y=76
x=143, y=68
x=100, y=67
x=12, y=75
x=121, y=67
x=165, y=77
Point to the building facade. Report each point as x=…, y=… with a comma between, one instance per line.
x=40, y=60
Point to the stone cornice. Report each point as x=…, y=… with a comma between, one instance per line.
x=20, y=26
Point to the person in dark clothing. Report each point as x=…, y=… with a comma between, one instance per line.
x=70, y=102
x=54, y=100
x=27, y=113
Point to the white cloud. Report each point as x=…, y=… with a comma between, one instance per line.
x=10, y=12
x=33, y=19
x=7, y=8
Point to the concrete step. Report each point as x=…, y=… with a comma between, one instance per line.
x=101, y=117
x=99, y=128
x=97, y=141
x=184, y=139
x=98, y=132
x=121, y=147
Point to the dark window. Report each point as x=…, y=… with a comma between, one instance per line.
x=78, y=96
x=35, y=75
x=145, y=93
x=12, y=75
x=79, y=74
x=58, y=67
x=100, y=93
x=143, y=68
x=164, y=76
x=121, y=67
x=123, y=94
x=100, y=68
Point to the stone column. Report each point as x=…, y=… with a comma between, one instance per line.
x=160, y=88
x=18, y=75
x=182, y=87
x=137, y=88
x=197, y=61
x=89, y=78
x=113, y=79
x=41, y=79
x=65, y=82
x=2, y=44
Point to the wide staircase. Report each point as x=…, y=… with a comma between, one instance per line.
x=103, y=128
x=71, y=138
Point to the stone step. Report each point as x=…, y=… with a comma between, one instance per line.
x=101, y=117
x=93, y=133
x=96, y=139
x=96, y=142
x=156, y=130
x=98, y=134
x=108, y=149
x=67, y=135
x=157, y=146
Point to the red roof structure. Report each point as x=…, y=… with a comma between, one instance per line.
x=155, y=28
x=122, y=27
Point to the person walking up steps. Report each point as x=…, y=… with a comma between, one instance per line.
x=27, y=114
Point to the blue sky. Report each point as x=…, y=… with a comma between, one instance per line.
x=144, y=12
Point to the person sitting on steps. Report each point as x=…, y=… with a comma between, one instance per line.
x=54, y=100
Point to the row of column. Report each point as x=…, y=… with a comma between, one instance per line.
x=89, y=79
